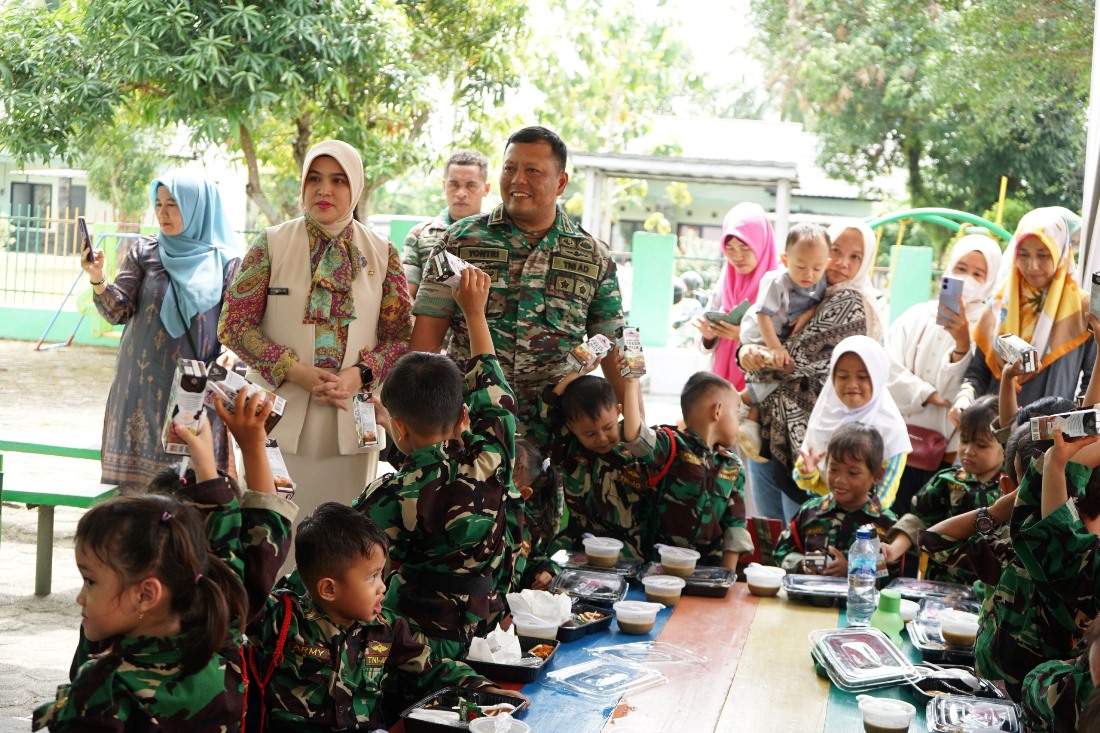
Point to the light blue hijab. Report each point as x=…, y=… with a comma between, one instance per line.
x=195, y=258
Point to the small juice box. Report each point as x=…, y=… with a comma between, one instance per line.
x=1014, y=349
x=365, y=425
x=284, y=484
x=581, y=356
x=630, y=349
x=446, y=269
x=1074, y=424
x=185, y=404
x=227, y=384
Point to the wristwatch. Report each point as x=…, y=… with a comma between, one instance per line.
x=366, y=375
x=983, y=521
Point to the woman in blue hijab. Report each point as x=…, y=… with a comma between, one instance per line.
x=168, y=292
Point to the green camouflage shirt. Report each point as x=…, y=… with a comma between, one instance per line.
x=1012, y=628
x=1054, y=694
x=447, y=513
x=699, y=503
x=949, y=493
x=138, y=684
x=978, y=560
x=330, y=676
x=821, y=523
x=420, y=242
x=605, y=493
x=543, y=300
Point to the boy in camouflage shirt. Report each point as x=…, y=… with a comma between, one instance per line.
x=952, y=491
x=826, y=525
x=451, y=511
x=599, y=460
x=699, y=501
x=340, y=644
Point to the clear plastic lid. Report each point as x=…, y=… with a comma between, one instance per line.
x=590, y=585
x=651, y=652
x=703, y=575
x=961, y=714
x=861, y=655
x=668, y=583
x=816, y=585
x=578, y=560
x=604, y=677
x=916, y=590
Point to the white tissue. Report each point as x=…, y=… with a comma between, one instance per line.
x=549, y=607
x=500, y=647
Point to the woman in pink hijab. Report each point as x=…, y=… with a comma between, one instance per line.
x=749, y=248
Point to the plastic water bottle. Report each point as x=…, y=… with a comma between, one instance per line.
x=862, y=560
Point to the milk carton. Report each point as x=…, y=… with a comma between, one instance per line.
x=1014, y=349
x=446, y=269
x=185, y=404
x=227, y=384
x=1074, y=424
x=630, y=352
x=583, y=355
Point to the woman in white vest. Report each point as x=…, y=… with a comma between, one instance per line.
x=319, y=310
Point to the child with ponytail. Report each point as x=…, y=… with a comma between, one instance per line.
x=164, y=598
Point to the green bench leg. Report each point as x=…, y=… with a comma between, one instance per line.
x=43, y=569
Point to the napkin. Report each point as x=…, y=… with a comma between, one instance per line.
x=549, y=607
x=500, y=647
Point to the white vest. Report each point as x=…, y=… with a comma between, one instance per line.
x=288, y=245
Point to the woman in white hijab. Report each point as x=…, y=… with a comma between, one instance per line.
x=320, y=310
x=928, y=360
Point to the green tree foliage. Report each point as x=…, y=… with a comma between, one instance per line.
x=121, y=158
x=370, y=73
x=956, y=95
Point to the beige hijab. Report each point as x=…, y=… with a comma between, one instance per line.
x=352, y=163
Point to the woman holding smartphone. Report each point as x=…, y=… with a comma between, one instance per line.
x=168, y=292
x=748, y=245
x=930, y=347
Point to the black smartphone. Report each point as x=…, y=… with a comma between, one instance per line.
x=86, y=248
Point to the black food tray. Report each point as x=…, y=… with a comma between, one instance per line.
x=572, y=633
x=928, y=640
x=930, y=687
x=916, y=590
x=706, y=581
x=577, y=560
x=515, y=672
x=448, y=698
x=820, y=590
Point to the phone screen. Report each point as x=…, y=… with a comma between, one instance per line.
x=85, y=239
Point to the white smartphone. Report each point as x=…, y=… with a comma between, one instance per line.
x=950, y=291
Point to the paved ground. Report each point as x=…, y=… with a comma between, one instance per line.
x=58, y=397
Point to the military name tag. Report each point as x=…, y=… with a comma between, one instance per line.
x=313, y=652
x=589, y=270
x=483, y=254
x=278, y=291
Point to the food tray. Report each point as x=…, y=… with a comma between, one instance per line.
x=448, y=698
x=604, y=677
x=516, y=672
x=860, y=657
x=817, y=589
x=962, y=714
x=927, y=639
x=916, y=590
x=940, y=682
x=577, y=560
x=651, y=652
x=706, y=581
x=572, y=633
x=601, y=589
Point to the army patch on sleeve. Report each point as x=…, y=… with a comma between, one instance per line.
x=375, y=654
x=311, y=652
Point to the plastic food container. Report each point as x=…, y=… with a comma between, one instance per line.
x=602, y=552
x=883, y=715
x=949, y=713
x=497, y=725
x=926, y=638
x=663, y=589
x=636, y=617
x=528, y=625
x=710, y=582
x=590, y=586
x=604, y=678
x=580, y=628
x=525, y=672
x=446, y=700
x=764, y=580
x=679, y=561
x=860, y=658
x=958, y=628
x=909, y=610
x=916, y=590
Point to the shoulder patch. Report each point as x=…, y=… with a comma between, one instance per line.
x=691, y=458
x=312, y=652
x=375, y=654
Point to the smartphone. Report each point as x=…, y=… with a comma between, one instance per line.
x=86, y=248
x=1094, y=295
x=733, y=318
x=950, y=291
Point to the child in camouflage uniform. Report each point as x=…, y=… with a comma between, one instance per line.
x=599, y=459
x=1055, y=693
x=826, y=525
x=699, y=502
x=451, y=511
x=163, y=601
x=542, y=517
x=340, y=644
x=976, y=483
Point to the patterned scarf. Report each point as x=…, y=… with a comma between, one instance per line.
x=330, y=298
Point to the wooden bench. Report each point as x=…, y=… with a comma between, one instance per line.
x=46, y=499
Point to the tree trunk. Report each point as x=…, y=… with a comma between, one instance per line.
x=252, y=188
x=302, y=141
x=913, y=152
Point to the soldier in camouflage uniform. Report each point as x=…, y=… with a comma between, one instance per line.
x=553, y=284
x=114, y=688
x=699, y=502
x=1054, y=694
x=451, y=509
x=465, y=184
x=601, y=468
x=339, y=650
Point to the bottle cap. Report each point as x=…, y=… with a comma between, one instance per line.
x=863, y=533
x=889, y=601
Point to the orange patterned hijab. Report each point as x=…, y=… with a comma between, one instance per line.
x=1052, y=320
